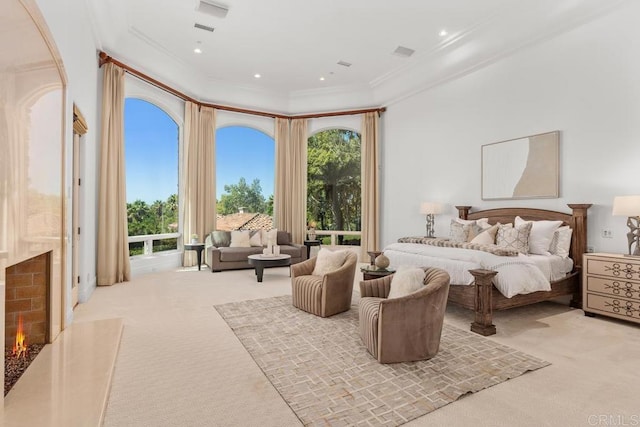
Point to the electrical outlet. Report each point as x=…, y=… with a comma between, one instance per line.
x=590, y=249
x=607, y=233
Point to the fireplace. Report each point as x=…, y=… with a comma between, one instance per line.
x=27, y=291
x=27, y=314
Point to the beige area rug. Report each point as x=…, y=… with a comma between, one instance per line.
x=324, y=373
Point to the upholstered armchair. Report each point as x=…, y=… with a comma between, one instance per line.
x=324, y=295
x=407, y=328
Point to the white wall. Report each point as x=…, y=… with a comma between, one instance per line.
x=584, y=83
x=68, y=22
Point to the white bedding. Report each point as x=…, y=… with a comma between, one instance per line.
x=521, y=274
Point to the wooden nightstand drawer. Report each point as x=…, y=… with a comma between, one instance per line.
x=618, y=268
x=615, y=287
x=616, y=307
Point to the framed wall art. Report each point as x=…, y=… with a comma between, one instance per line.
x=523, y=168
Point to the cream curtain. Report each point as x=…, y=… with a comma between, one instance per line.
x=199, y=175
x=370, y=184
x=290, y=196
x=113, y=246
x=280, y=190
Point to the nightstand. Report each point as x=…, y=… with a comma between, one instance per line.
x=611, y=286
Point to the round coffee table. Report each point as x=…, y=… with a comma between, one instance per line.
x=260, y=261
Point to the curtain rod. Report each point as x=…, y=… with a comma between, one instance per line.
x=104, y=58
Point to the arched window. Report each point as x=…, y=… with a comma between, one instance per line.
x=245, y=174
x=333, y=182
x=151, y=157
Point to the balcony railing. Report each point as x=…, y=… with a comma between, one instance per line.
x=335, y=233
x=148, y=240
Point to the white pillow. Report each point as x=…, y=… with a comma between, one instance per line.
x=256, y=238
x=406, y=281
x=561, y=242
x=328, y=261
x=240, y=239
x=541, y=234
x=516, y=238
x=269, y=235
x=487, y=237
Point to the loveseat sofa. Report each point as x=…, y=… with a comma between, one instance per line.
x=220, y=256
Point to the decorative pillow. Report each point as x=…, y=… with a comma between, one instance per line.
x=541, y=234
x=487, y=237
x=240, y=239
x=561, y=242
x=256, y=238
x=270, y=236
x=482, y=222
x=221, y=238
x=516, y=238
x=406, y=281
x=460, y=232
x=328, y=261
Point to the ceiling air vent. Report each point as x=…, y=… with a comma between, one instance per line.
x=203, y=27
x=344, y=63
x=403, y=51
x=212, y=9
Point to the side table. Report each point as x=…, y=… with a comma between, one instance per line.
x=198, y=247
x=309, y=243
x=369, y=272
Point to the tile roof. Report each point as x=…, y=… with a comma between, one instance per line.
x=243, y=221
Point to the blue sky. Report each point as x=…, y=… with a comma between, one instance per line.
x=151, y=151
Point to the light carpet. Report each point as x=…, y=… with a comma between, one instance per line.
x=324, y=373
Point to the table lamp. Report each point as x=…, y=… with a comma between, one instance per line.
x=430, y=209
x=629, y=206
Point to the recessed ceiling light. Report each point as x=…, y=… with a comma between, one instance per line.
x=443, y=33
x=197, y=50
x=257, y=76
x=321, y=78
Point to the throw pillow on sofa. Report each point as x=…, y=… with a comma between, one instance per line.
x=240, y=239
x=328, y=261
x=256, y=238
x=221, y=238
x=270, y=236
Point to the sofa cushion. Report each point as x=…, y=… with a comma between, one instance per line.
x=284, y=238
x=294, y=251
x=221, y=238
x=238, y=254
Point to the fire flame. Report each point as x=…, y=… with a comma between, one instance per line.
x=20, y=347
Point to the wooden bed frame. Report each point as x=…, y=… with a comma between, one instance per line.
x=483, y=297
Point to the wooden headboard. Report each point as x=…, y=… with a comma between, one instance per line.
x=577, y=220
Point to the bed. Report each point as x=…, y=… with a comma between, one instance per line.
x=483, y=297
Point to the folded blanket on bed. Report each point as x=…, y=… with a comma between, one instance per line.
x=446, y=243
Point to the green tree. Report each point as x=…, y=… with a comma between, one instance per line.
x=242, y=195
x=333, y=186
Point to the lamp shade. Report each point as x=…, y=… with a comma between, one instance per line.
x=430, y=208
x=626, y=206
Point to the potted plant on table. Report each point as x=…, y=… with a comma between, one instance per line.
x=194, y=238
